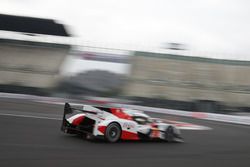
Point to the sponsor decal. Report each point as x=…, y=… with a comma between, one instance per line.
x=128, y=125
x=115, y=58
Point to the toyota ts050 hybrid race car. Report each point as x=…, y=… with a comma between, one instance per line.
x=113, y=124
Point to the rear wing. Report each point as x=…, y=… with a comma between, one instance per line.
x=69, y=110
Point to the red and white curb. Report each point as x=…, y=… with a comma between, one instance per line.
x=187, y=126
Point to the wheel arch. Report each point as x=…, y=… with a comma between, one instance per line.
x=107, y=135
x=116, y=123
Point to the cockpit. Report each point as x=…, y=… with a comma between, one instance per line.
x=141, y=120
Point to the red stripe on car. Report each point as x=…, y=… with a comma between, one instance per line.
x=78, y=120
x=120, y=114
x=126, y=135
x=102, y=129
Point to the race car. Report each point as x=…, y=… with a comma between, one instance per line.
x=113, y=124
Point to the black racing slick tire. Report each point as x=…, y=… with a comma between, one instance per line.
x=113, y=132
x=169, y=134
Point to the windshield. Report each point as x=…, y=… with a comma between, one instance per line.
x=141, y=120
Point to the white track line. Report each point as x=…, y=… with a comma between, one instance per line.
x=194, y=127
x=29, y=116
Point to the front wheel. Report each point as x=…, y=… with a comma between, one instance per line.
x=113, y=132
x=169, y=134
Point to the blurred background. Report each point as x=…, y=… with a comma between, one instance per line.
x=188, y=55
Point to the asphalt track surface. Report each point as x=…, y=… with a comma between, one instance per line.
x=30, y=136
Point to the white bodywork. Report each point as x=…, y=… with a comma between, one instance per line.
x=133, y=123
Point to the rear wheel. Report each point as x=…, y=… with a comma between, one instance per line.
x=113, y=132
x=169, y=134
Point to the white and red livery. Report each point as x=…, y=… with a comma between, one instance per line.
x=113, y=124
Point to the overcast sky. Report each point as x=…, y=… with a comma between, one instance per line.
x=219, y=26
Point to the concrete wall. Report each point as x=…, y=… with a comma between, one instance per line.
x=31, y=65
x=189, y=78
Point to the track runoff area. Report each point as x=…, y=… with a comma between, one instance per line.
x=30, y=136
